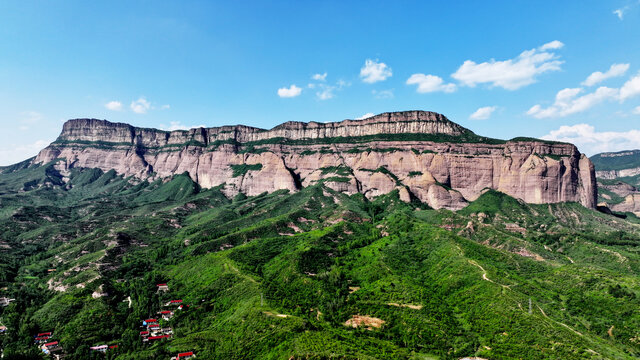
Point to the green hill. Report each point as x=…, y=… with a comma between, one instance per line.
x=277, y=276
x=620, y=160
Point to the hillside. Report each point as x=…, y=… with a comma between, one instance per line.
x=310, y=274
x=618, y=178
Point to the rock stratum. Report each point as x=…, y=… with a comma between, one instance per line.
x=421, y=154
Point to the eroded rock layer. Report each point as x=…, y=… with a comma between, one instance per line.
x=421, y=154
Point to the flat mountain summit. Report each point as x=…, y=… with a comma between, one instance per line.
x=421, y=154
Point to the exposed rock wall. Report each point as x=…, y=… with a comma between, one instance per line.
x=442, y=174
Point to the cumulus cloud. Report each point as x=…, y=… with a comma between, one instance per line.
x=291, y=91
x=614, y=70
x=553, y=45
x=630, y=88
x=320, y=77
x=430, y=83
x=12, y=153
x=374, y=71
x=514, y=73
x=365, y=116
x=140, y=106
x=592, y=142
x=114, y=105
x=483, y=113
x=568, y=102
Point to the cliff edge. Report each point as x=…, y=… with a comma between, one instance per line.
x=421, y=154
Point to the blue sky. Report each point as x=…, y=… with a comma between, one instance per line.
x=502, y=68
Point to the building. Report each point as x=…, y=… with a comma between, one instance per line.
x=163, y=287
x=184, y=355
x=173, y=303
x=4, y=301
x=100, y=348
x=166, y=315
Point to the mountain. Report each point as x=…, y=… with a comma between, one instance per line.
x=618, y=178
x=310, y=272
x=422, y=154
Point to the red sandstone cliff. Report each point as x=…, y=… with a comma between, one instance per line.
x=422, y=154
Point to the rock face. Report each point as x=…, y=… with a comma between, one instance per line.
x=421, y=154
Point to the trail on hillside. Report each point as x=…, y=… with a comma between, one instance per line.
x=557, y=322
x=484, y=274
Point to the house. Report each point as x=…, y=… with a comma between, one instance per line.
x=166, y=314
x=186, y=355
x=3, y=329
x=163, y=287
x=45, y=334
x=51, y=347
x=159, y=337
x=173, y=303
x=167, y=331
x=42, y=339
x=4, y=301
x=101, y=348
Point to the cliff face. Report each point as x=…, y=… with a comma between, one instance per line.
x=421, y=154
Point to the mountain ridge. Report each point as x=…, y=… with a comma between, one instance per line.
x=424, y=155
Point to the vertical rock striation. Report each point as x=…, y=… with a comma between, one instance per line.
x=421, y=154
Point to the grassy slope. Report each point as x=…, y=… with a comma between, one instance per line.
x=239, y=264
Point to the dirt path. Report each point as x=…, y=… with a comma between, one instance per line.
x=610, y=331
x=129, y=300
x=557, y=322
x=484, y=274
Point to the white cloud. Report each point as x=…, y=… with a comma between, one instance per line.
x=483, y=113
x=291, y=91
x=165, y=107
x=140, y=106
x=553, y=45
x=511, y=74
x=636, y=110
x=114, y=105
x=365, y=116
x=620, y=12
x=630, y=88
x=176, y=125
x=568, y=102
x=327, y=92
x=383, y=94
x=320, y=77
x=12, y=153
x=374, y=71
x=430, y=83
x=614, y=70
x=592, y=142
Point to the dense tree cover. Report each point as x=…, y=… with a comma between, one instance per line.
x=277, y=276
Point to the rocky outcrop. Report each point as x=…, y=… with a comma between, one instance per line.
x=421, y=154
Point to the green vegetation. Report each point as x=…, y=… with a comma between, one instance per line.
x=276, y=276
x=242, y=169
x=624, y=160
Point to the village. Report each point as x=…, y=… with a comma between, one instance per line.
x=153, y=329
